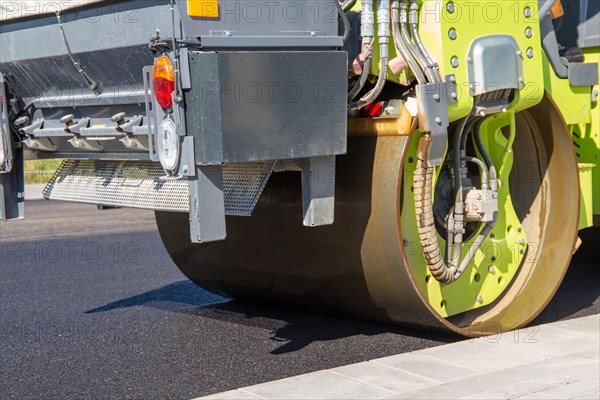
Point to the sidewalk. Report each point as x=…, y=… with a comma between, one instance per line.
x=34, y=192
x=554, y=361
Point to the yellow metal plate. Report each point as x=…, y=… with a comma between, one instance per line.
x=203, y=8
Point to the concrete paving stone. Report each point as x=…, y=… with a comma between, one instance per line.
x=552, y=342
x=589, y=325
x=318, y=385
x=588, y=396
x=233, y=395
x=498, y=356
x=426, y=367
x=570, y=390
x=384, y=377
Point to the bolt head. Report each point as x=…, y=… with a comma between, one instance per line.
x=479, y=298
x=452, y=34
x=438, y=120
x=530, y=53
x=529, y=33
x=527, y=12
x=454, y=62
x=450, y=7
x=492, y=269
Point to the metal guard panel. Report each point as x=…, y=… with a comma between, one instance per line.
x=266, y=105
x=495, y=63
x=137, y=184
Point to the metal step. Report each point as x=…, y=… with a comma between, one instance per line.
x=138, y=184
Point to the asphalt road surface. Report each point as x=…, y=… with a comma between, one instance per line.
x=91, y=306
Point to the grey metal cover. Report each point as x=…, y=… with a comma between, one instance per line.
x=266, y=105
x=137, y=184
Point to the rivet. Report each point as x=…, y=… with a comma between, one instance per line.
x=452, y=34
x=530, y=52
x=492, y=269
x=479, y=298
x=529, y=33
x=438, y=120
x=454, y=62
x=527, y=12
x=450, y=7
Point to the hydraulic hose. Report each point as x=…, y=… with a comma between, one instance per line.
x=362, y=80
x=383, y=35
x=408, y=42
x=348, y=4
x=401, y=46
x=367, y=32
x=345, y=21
x=413, y=17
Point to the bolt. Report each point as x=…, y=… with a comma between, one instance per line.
x=454, y=95
x=179, y=99
x=530, y=52
x=519, y=53
x=454, y=62
x=450, y=8
x=436, y=97
x=521, y=241
x=438, y=120
x=470, y=60
x=492, y=269
x=389, y=110
x=227, y=33
x=527, y=12
x=452, y=34
x=313, y=33
x=529, y=33
x=479, y=298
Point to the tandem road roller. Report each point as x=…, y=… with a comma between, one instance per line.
x=426, y=163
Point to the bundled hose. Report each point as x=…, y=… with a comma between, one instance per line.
x=401, y=47
x=383, y=35
x=431, y=66
x=405, y=37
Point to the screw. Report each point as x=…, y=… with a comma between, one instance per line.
x=452, y=34
x=450, y=8
x=436, y=97
x=492, y=269
x=479, y=298
x=530, y=52
x=438, y=120
x=527, y=12
x=454, y=62
x=529, y=33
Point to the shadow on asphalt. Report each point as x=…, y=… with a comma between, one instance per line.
x=294, y=329
x=577, y=296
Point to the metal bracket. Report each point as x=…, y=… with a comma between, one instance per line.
x=12, y=190
x=433, y=100
x=207, y=205
x=318, y=190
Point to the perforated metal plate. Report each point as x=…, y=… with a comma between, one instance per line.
x=137, y=184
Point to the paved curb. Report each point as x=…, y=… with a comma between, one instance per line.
x=34, y=192
x=553, y=361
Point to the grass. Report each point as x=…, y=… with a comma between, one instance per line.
x=40, y=171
